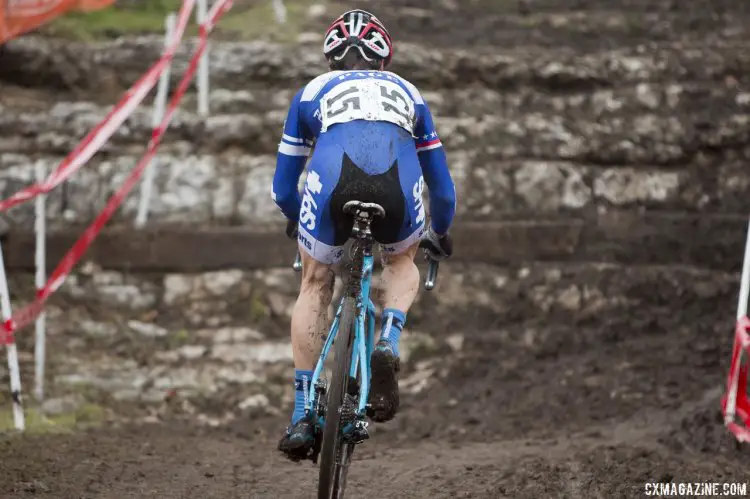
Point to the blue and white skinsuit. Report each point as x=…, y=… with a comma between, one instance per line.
x=373, y=130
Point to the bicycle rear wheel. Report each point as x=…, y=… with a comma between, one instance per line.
x=335, y=452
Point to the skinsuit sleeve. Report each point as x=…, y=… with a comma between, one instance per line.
x=442, y=191
x=294, y=149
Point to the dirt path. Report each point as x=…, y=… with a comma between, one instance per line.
x=582, y=441
x=613, y=460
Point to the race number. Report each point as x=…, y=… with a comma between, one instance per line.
x=371, y=100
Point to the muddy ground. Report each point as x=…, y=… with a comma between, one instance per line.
x=553, y=401
x=567, y=405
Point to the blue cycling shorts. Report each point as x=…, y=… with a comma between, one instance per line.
x=372, y=162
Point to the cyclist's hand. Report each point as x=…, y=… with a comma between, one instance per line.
x=291, y=229
x=438, y=247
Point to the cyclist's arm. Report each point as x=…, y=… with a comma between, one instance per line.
x=294, y=149
x=442, y=191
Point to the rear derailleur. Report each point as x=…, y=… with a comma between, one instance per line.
x=354, y=425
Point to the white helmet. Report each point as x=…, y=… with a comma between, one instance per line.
x=362, y=30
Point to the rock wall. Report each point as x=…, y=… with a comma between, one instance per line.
x=527, y=131
x=626, y=120
x=218, y=341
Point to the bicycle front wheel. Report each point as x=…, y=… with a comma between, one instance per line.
x=335, y=452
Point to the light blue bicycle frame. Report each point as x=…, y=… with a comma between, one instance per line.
x=364, y=342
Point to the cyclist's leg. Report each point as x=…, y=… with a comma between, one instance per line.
x=399, y=283
x=400, y=277
x=399, y=286
x=310, y=313
x=320, y=249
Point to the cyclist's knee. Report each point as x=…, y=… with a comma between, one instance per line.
x=405, y=258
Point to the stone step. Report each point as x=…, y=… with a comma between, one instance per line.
x=586, y=25
x=619, y=237
x=482, y=295
x=502, y=164
x=577, y=293
x=230, y=187
x=685, y=100
x=105, y=66
x=206, y=189
x=647, y=123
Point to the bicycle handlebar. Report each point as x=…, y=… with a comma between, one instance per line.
x=429, y=282
x=432, y=273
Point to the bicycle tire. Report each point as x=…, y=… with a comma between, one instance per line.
x=330, y=478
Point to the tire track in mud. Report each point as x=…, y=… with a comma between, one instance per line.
x=186, y=462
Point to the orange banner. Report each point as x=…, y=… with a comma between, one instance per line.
x=20, y=16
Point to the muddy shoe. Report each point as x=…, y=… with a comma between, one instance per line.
x=299, y=440
x=383, y=401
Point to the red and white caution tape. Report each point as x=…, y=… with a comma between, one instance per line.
x=27, y=314
x=735, y=402
x=99, y=136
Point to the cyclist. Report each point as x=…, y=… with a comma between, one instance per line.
x=375, y=141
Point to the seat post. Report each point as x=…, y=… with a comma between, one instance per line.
x=363, y=214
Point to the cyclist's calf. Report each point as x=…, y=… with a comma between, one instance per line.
x=310, y=314
x=400, y=280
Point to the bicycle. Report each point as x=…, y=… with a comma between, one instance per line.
x=340, y=407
